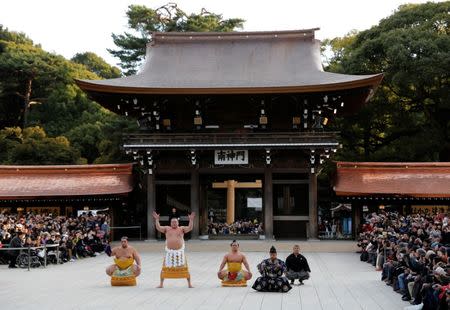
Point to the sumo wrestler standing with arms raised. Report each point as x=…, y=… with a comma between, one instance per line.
x=174, y=264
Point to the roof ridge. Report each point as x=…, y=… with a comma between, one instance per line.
x=231, y=35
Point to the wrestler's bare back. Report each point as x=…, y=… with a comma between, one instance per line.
x=174, y=237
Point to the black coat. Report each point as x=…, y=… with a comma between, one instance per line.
x=16, y=242
x=297, y=263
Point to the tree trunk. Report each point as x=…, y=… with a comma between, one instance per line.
x=26, y=102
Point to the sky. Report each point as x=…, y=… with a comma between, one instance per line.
x=67, y=27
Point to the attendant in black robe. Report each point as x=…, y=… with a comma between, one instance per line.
x=272, y=279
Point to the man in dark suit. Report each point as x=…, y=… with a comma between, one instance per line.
x=297, y=266
x=16, y=242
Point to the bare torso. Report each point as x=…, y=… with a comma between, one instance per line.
x=235, y=257
x=174, y=238
x=122, y=253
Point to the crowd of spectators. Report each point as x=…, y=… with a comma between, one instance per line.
x=239, y=227
x=77, y=237
x=330, y=229
x=412, y=252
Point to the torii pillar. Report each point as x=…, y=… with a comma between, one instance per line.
x=231, y=185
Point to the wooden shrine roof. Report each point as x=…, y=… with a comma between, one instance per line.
x=430, y=179
x=232, y=63
x=65, y=180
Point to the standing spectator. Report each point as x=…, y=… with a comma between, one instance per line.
x=105, y=229
x=16, y=242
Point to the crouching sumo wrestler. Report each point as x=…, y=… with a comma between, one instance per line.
x=124, y=272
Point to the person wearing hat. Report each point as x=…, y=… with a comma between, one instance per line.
x=272, y=270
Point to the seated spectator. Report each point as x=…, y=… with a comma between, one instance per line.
x=76, y=236
x=239, y=227
x=412, y=253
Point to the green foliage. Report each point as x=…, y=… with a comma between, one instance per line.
x=31, y=146
x=68, y=127
x=142, y=21
x=12, y=36
x=409, y=117
x=337, y=47
x=97, y=65
x=109, y=147
x=25, y=71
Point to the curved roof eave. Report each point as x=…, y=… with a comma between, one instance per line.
x=363, y=81
x=390, y=178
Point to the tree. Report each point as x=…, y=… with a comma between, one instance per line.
x=21, y=65
x=10, y=137
x=30, y=75
x=13, y=36
x=37, y=89
x=31, y=146
x=97, y=65
x=110, y=147
x=409, y=117
x=143, y=21
x=334, y=50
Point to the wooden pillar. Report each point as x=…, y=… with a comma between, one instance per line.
x=203, y=217
x=313, y=225
x=231, y=185
x=268, y=204
x=151, y=205
x=195, y=202
x=356, y=219
x=230, y=201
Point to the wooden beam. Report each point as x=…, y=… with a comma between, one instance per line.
x=236, y=184
x=313, y=225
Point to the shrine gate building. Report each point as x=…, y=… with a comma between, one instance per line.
x=233, y=125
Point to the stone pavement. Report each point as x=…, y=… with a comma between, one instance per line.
x=338, y=281
x=254, y=245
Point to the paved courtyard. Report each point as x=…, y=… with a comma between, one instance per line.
x=339, y=281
